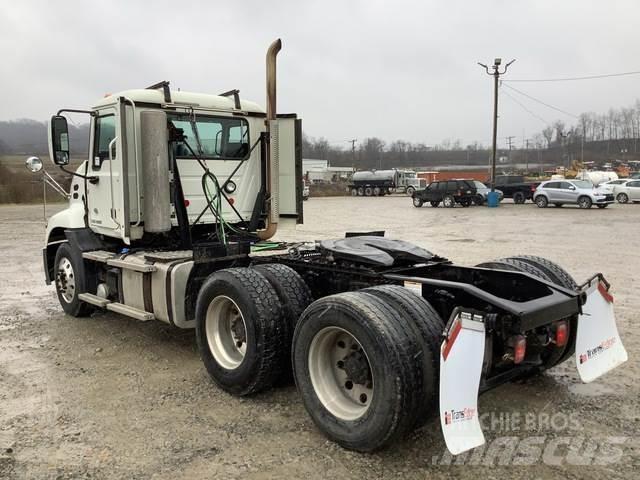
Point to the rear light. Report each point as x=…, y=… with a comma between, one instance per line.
x=186, y=202
x=533, y=188
x=519, y=348
x=562, y=333
x=605, y=292
x=231, y=200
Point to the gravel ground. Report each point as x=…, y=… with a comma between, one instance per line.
x=110, y=397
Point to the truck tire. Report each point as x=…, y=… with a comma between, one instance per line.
x=428, y=327
x=240, y=331
x=410, y=191
x=417, y=202
x=478, y=200
x=448, y=201
x=516, y=265
x=555, y=272
x=354, y=192
x=376, y=191
x=550, y=272
x=368, y=191
x=519, y=198
x=73, y=276
x=360, y=191
x=559, y=276
x=293, y=292
x=585, y=202
x=356, y=364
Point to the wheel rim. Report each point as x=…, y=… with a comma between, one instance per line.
x=584, y=203
x=541, y=202
x=226, y=332
x=417, y=202
x=447, y=202
x=65, y=280
x=340, y=373
x=622, y=198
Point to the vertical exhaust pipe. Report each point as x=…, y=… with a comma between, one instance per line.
x=273, y=163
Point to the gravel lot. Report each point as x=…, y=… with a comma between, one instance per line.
x=110, y=397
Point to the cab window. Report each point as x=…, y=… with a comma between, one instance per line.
x=105, y=132
x=221, y=138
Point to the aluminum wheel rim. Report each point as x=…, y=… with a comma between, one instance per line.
x=65, y=280
x=342, y=396
x=417, y=202
x=226, y=332
x=447, y=201
x=622, y=198
x=584, y=203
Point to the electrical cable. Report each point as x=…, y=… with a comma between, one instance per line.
x=525, y=108
x=541, y=102
x=570, y=79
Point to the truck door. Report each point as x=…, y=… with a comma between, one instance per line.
x=104, y=196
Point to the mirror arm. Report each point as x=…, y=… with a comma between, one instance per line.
x=72, y=110
x=92, y=179
x=49, y=180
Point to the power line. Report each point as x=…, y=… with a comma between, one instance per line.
x=541, y=102
x=569, y=79
x=525, y=108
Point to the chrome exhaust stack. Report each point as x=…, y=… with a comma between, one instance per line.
x=273, y=157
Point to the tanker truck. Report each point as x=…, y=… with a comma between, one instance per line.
x=382, y=182
x=164, y=221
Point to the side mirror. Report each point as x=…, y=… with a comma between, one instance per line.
x=59, y=140
x=33, y=164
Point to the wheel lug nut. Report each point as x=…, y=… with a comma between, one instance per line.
x=341, y=344
x=363, y=398
x=340, y=364
x=348, y=384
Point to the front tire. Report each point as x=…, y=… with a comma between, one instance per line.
x=356, y=364
x=410, y=191
x=72, y=277
x=417, y=202
x=585, y=202
x=240, y=330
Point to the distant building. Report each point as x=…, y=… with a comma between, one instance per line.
x=319, y=171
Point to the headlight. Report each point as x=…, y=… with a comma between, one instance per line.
x=230, y=187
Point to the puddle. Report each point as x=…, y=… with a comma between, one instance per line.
x=591, y=389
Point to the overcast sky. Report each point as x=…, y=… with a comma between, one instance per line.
x=350, y=69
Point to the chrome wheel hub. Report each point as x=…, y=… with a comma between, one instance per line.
x=65, y=280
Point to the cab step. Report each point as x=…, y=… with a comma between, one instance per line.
x=94, y=299
x=120, y=308
x=130, y=311
x=112, y=260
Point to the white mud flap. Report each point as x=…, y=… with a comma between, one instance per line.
x=461, y=357
x=598, y=345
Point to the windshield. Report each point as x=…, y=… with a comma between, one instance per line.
x=479, y=184
x=583, y=184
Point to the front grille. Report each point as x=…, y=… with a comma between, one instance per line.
x=608, y=198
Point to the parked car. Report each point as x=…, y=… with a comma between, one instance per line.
x=516, y=187
x=634, y=176
x=576, y=192
x=305, y=191
x=449, y=192
x=483, y=190
x=628, y=191
x=611, y=184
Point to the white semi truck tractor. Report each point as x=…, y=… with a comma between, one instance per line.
x=381, y=335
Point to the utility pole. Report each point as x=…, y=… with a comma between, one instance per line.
x=496, y=78
x=510, y=143
x=526, y=153
x=353, y=149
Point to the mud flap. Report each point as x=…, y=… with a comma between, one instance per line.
x=598, y=345
x=461, y=357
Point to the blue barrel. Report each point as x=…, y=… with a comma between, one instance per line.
x=493, y=199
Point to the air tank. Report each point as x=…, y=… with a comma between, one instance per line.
x=375, y=177
x=156, y=205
